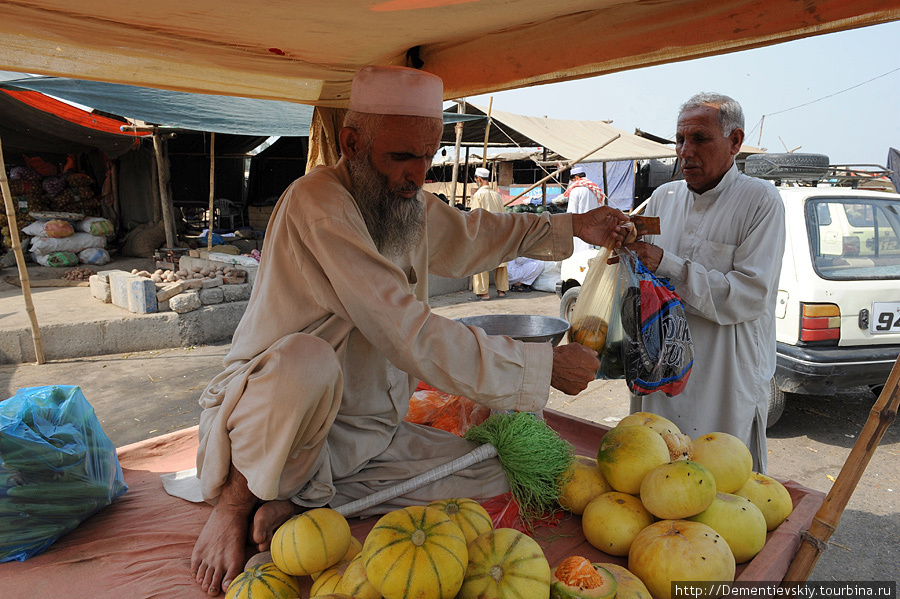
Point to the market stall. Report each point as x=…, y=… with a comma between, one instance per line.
x=142, y=543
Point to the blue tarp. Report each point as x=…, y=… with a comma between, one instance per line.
x=619, y=179
x=220, y=114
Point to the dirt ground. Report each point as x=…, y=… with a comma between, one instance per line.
x=145, y=394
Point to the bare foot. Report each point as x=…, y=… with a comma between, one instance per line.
x=219, y=555
x=268, y=518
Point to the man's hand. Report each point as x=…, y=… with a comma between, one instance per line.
x=603, y=226
x=574, y=366
x=650, y=255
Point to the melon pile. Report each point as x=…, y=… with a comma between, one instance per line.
x=678, y=509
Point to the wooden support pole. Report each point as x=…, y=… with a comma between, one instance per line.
x=20, y=260
x=487, y=131
x=212, y=189
x=458, y=129
x=163, y=191
x=826, y=519
x=565, y=167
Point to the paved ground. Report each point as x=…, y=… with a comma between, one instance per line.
x=149, y=393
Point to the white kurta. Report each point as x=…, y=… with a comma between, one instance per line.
x=332, y=307
x=722, y=252
x=581, y=200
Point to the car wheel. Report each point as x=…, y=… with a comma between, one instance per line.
x=776, y=403
x=805, y=167
x=567, y=303
x=876, y=389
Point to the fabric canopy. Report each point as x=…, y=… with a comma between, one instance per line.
x=308, y=51
x=569, y=139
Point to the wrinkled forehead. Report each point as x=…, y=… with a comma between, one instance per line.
x=705, y=116
x=409, y=134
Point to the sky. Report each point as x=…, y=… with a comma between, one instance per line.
x=836, y=94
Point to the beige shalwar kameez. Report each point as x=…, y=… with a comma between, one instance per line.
x=335, y=338
x=488, y=199
x=722, y=252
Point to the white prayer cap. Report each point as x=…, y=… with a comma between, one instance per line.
x=483, y=173
x=397, y=90
x=578, y=170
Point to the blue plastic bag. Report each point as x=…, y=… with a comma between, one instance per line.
x=57, y=467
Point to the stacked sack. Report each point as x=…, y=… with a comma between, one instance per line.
x=67, y=192
x=60, y=243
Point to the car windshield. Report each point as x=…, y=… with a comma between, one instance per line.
x=854, y=238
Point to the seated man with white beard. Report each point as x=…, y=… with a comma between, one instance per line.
x=309, y=409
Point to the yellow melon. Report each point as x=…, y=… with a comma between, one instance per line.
x=650, y=420
x=505, y=563
x=468, y=514
x=630, y=586
x=610, y=522
x=416, y=552
x=311, y=542
x=770, y=496
x=727, y=458
x=580, y=483
x=628, y=453
x=264, y=581
x=355, y=583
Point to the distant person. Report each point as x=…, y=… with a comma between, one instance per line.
x=522, y=273
x=583, y=195
x=721, y=245
x=488, y=199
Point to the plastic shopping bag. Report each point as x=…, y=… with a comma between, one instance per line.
x=57, y=467
x=658, y=351
x=596, y=320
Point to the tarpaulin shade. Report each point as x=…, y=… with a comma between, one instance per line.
x=198, y=112
x=567, y=138
x=47, y=125
x=308, y=51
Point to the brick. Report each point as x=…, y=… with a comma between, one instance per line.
x=162, y=306
x=142, y=295
x=213, y=295
x=119, y=281
x=185, y=302
x=192, y=283
x=237, y=293
x=168, y=291
x=100, y=289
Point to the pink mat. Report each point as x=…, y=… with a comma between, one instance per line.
x=141, y=545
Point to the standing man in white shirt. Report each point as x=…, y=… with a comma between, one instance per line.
x=721, y=245
x=583, y=195
x=488, y=199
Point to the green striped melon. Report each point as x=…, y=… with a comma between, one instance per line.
x=355, y=548
x=264, y=581
x=468, y=514
x=415, y=552
x=311, y=542
x=506, y=563
x=355, y=583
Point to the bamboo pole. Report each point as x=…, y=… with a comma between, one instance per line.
x=487, y=131
x=163, y=191
x=20, y=260
x=212, y=190
x=565, y=167
x=815, y=540
x=458, y=128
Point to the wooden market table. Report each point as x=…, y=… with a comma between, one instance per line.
x=141, y=545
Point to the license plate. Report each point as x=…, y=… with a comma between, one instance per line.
x=885, y=317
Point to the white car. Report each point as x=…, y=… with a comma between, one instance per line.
x=838, y=310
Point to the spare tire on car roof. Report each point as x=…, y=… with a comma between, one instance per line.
x=803, y=167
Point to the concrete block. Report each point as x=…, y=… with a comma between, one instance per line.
x=237, y=293
x=212, y=295
x=213, y=282
x=103, y=275
x=168, y=291
x=185, y=302
x=162, y=306
x=119, y=282
x=142, y=295
x=100, y=289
